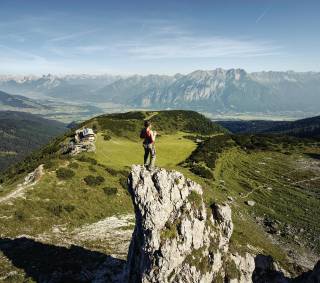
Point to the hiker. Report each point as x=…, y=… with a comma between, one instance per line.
x=149, y=137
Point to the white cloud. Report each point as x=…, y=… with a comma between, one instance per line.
x=71, y=36
x=261, y=16
x=99, y=47
x=198, y=47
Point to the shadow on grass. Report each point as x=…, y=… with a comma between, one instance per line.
x=49, y=263
x=266, y=272
x=313, y=155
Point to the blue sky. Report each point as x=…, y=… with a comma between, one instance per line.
x=165, y=37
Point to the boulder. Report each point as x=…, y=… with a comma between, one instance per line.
x=250, y=202
x=34, y=176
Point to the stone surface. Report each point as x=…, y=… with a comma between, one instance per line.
x=250, y=202
x=245, y=265
x=34, y=176
x=176, y=238
x=230, y=199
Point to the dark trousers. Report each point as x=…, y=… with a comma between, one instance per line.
x=149, y=151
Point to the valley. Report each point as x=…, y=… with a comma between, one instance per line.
x=21, y=133
x=219, y=93
x=80, y=211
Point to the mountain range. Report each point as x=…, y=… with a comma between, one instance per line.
x=215, y=91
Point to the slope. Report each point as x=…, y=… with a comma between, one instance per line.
x=9, y=102
x=22, y=133
x=309, y=127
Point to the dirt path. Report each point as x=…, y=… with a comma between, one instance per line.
x=30, y=180
x=306, y=180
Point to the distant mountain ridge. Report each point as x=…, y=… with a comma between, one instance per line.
x=68, y=86
x=304, y=128
x=20, y=133
x=213, y=91
x=19, y=102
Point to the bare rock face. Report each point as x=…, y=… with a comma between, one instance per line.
x=244, y=266
x=176, y=238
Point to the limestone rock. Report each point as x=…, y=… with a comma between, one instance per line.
x=250, y=202
x=34, y=176
x=245, y=266
x=176, y=238
x=230, y=199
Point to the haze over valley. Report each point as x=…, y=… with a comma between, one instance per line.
x=219, y=93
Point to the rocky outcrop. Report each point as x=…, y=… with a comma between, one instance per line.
x=30, y=180
x=34, y=176
x=177, y=238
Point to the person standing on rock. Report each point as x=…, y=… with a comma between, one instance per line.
x=149, y=137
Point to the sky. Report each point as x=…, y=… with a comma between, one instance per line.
x=161, y=37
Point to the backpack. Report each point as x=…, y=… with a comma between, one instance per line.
x=146, y=135
x=143, y=134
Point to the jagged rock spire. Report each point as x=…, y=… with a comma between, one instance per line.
x=176, y=238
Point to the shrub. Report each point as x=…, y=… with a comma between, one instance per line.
x=106, y=137
x=69, y=208
x=20, y=215
x=58, y=209
x=111, y=171
x=123, y=182
x=74, y=165
x=49, y=164
x=64, y=173
x=95, y=128
x=94, y=181
x=170, y=231
x=201, y=171
x=231, y=270
x=92, y=169
x=195, y=198
x=83, y=158
x=115, y=172
x=110, y=191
